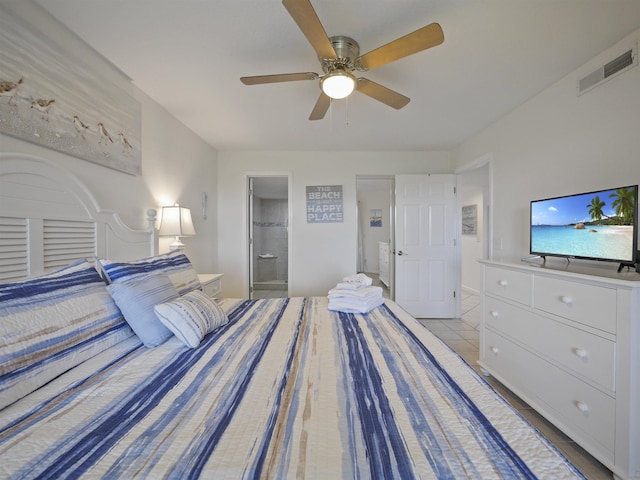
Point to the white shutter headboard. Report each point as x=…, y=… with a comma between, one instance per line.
x=48, y=219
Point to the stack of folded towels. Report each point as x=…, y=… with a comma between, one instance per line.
x=355, y=295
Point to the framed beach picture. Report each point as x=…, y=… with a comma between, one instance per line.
x=375, y=219
x=50, y=97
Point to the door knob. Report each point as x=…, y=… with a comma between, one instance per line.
x=400, y=253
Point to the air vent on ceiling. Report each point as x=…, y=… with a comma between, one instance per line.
x=616, y=66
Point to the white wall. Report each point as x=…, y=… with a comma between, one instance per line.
x=321, y=253
x=560, y=143
x=177, y=166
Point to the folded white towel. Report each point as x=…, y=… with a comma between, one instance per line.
x=354, y=305
x=349, y=285
x=355, y=294
x=361, y=293
x=358, y=279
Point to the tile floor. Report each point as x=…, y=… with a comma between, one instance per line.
x=462, y=335
x=375, y=280
x=274, y=289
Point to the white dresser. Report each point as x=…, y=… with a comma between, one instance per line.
x=567, y=341
x=211, y=283
x=383, y=257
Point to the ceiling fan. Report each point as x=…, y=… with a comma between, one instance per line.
x=340, y=57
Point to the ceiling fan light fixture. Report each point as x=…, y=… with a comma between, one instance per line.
x=338, y=84
x=340, y=57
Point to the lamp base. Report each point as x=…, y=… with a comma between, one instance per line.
x=177, y=245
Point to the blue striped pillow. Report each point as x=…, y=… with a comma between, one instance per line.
x=191, y=317
x=52, y=323
x=175, y=265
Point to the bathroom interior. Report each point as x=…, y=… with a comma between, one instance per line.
x=270, y=224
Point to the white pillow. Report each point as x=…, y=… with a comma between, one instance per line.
x=191, y=317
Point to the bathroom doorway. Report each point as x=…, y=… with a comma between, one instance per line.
x=268, y=236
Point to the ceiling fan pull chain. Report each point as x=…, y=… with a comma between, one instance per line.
x=346, y=111
x=330, y=114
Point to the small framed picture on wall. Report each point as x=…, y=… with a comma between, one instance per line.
x=470, y=220
x=375, y=219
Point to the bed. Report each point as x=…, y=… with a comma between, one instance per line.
x=270, y=388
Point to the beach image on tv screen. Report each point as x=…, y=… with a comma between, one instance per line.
x=593, y=225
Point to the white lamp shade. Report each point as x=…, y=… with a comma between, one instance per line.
x=176, y=222
x=338, y=84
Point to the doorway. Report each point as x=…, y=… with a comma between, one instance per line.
x=268, y=236
x=375, y=197
x=476, y=192
x=443, y=300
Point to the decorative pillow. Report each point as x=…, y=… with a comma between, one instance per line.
x=175, y=265
x=191, y=317
x=52, y=323
x=136, y=299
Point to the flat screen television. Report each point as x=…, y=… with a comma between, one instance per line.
x=600, y=225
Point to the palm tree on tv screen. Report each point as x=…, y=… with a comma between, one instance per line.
x=623, y=204
x=595, y=208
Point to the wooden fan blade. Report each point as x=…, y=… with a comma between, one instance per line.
x=283, y=77
x=382, y=94
x=321, y=107
x=307, y=20
x=421, y=39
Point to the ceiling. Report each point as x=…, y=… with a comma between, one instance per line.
x=188, y=55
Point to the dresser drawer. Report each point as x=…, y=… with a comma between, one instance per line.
x=588, y=355
x=587, y=304
x=509, y=284
x=582, y=409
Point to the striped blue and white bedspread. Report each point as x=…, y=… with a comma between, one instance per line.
x=286, y=390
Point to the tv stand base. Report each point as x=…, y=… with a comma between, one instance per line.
x=534, y=257
x=628, y=265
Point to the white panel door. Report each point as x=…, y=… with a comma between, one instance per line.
x=425, y=253
x=250, y=232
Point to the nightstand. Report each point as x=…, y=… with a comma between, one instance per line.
x=211, y=283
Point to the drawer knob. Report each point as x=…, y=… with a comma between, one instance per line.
x=494, y=350
x=583, y=407
x=503, y=283
x=494, y=314
x=567, y=300
x=581, y=353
